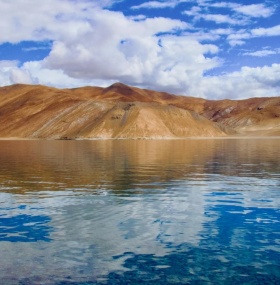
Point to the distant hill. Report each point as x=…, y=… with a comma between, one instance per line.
x=121, y=111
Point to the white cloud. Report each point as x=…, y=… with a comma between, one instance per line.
x=28, y=20
x=34, y=73
x=240, y=36
x=57, y=77
x=199, y=12
x=114, y=48
x=263, y=53
x=194, y=11
x=10, y=73
x=93, y=46
x=255, y=10
x=20, y=76
x=229, y=5
x=252, y=10
x=159, y=4
x=266, y=32
x=222, y=31
x=6, y=64
x=5, y=68
x=137, y=17
x=128, y=51
x=246, y=83
x=156, y=5
x=167, y=62
x=211, y=35
x=219, y=18
x=202, y=36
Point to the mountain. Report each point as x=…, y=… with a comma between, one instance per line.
x=121, y=111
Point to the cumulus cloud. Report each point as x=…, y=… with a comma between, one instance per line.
x=10, y=73
x=132, y=52
x=248, y=82
x=94, y=46
x=23, y=20
x=114, y=48
x=58, y=78
x=20, y=76
x=5, y=68
x=6, y=64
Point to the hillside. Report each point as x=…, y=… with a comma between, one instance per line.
x=121, y=111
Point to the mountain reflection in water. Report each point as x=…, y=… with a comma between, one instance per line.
x=150, y=212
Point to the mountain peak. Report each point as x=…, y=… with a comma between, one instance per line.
x=118, y=85
x=120, y=88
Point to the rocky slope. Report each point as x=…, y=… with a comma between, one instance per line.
x=121, y=111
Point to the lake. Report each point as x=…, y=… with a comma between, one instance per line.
x=140, y=212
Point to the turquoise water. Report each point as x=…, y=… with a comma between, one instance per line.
x=140, y=212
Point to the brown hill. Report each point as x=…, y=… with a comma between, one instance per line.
x=121, y=111
x=254, y=116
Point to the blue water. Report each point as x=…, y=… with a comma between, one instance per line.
x=140, y=212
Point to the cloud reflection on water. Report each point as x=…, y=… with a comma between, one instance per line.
x=187, y=211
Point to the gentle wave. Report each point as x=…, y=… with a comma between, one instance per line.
x=130, y=212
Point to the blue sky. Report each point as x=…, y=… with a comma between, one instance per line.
x=203, y=48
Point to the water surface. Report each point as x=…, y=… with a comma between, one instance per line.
x=140, y=212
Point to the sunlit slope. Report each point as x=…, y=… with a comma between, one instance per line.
x=150, y=120
x=121, y=111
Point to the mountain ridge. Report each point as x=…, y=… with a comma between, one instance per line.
x=126, y=112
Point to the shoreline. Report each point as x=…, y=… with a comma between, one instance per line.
x=141, y=138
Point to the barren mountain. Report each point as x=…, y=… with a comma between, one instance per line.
x=121, y=111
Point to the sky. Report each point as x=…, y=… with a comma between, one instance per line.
x=201, y=48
